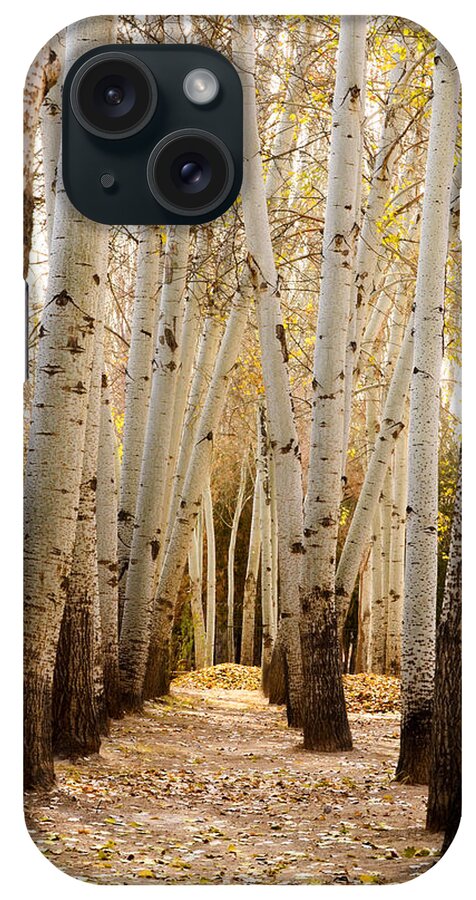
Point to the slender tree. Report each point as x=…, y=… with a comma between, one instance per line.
x=274, y=361
x=325, y=718
x=231, y=559
x=444, y=795
x=56, y=445
x=148, y=534
x=251, y=579
x=418, y=640
x=106, y=522
x=211, y=576
x=137, y=389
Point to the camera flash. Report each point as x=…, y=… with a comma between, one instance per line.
x=201, y=86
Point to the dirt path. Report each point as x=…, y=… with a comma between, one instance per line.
x=211, y=787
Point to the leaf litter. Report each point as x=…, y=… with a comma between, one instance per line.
x=209, y=786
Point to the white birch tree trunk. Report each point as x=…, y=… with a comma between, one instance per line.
x=251, y=580
x=365, y=600
x=231, y=560
x=148, y=532
x=211, y=576
x=360, y=531
x=418, y=639
x=56, y=445
x=195, y=571
x=206, y=357
x=50, y=126
x=106, y=523
x=397, y=554
x=267, y=611
x=42, y=75
x=325, y=718
x=191, y=328
x=78, y=698
x=137, y=390
x=274, y=359
x=377, y=622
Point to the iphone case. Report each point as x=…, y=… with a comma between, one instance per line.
x=242, y=528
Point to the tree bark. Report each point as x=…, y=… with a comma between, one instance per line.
x=360, y=531
x=106, y=521
x=274, y=362
x=211, y=577
x=78, y=694
x=198, y=473
x=137, y=390
x=418, y=639
x=149, y=531
x=42, y=76
x=325, y=719
x=251, y=580
x=444, y=794
x=195, y=566
x=56, y=445
x=231, y=560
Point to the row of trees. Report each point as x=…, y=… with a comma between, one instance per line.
x=173, y=387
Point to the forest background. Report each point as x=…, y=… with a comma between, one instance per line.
x=450, y=30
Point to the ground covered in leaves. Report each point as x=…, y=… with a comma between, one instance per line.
x=363, y=693
x=209, y=786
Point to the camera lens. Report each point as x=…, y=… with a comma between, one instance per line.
x=113, y=95
x=190, y=172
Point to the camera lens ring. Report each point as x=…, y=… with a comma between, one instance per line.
x=164, y=147
x=138, y=80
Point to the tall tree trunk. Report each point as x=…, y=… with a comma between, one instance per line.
x=206, y=357
x=195, y=571
x=198, y=474
x=360, y=531
x=267, y=618
x=274, y=362
x=444, y=795
x=42, y=76
x=194, y=299
x=77, y=694
x=251, y=579
x=56, y=446
x=137, y=390
x=365, y=600
x=325, y=718
x=50, y=126
x=397, y=554
x=106, y=522
x=231, y=560
x=149, y=532
x=211, y=577
x=418, y=639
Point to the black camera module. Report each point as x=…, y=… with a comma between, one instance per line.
x=152, y=134
x=113, y=95
x=190, y=172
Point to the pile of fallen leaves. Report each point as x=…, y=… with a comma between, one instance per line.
x=225, y=677
x=372, y=693
x=364, y=693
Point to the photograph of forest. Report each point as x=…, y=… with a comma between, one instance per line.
x=242, y=658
